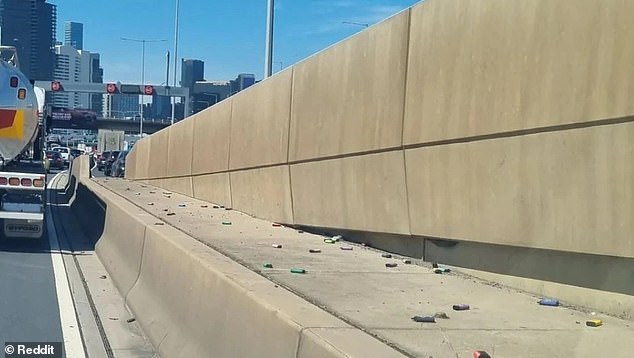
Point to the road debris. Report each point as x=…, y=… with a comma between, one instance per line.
x=158, y=223
x=391, y=264
x=226, y=223
x=314, y=251
x=137, y=194
x=216, y=207
x=150, y=204
x=171, y=214
x=204, y=206
x=424, y=319
x=594, y=323
x=103, y=277
x=277, y=246
x=182, y=205
x=461, y=307
x=548, y=302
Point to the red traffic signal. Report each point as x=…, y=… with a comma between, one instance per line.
x=148, y=90
x=56, y=86
x=111, y=88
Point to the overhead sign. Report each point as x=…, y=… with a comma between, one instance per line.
x=130, y=89
x=111, y=88
x=72, y=118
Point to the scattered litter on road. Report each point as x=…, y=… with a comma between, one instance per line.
x=168, y=196
x=276, y=224
x=204, y=206
x=152, y=192
x=165, y=210
x=407, y=261
x=137, y=194
x=548, y=302
x=150, y=204
x=130, y=320
x=346, y=248
x=103, y=277
x=298, y=270
x=216, y=207
x=113, y=318
x=158, y=223
x=314, y=251
x=226, y=223
x=391, y=264
x=277, y=246
x=424, y=319
x=387, y=256
x=267, y=265
x=461, y=307
x=481, y=354
x=182, y=205
x=337, y=238
x=222, y=206
x=594, y=323
x=171, y=214
x=441, y=315
x=329, y=241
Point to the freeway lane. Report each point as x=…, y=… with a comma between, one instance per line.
x=29, y=309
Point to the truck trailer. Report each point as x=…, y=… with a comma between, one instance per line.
x=22, y=163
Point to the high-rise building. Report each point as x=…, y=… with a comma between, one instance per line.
x=192, y=71
x=96, y=76
x=121, y=106
x=72, y=65
x=30, y=25
x=161, y=107
x=74, y=34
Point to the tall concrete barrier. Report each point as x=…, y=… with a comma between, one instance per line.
x=506, y=124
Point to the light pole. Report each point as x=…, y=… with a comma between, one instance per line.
x=268, y=58
x=355, y=23
x=142, y=41
x=172, y=99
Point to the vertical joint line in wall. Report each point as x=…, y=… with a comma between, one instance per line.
x=288, y=144
x=125, y=298
x=407, y=57
x=191, y=160
x=229, y=154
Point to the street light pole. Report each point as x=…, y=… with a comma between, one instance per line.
x=142, y=41
x=172, y=99
x=268, y=59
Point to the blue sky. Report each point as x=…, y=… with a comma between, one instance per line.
x=227, y=34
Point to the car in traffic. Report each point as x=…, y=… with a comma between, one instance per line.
x=65, y=152
x=118, y=166
x=101, y=161
x=55, y=160
x=109, y=160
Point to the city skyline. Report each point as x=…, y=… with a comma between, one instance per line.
x=228, y=37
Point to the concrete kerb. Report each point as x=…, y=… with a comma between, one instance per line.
x=191, y=300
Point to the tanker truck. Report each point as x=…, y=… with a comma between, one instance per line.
x=22, y=175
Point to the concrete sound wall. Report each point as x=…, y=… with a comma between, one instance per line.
x=496, y=122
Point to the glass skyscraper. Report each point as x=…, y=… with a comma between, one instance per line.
x=74, y=35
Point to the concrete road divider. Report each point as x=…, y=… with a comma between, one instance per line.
x=195, y=302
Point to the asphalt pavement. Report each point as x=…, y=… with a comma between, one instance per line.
x=29, y=309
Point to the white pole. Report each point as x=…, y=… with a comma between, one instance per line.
x=142, y=85
x=173, y=99
x=268, y=58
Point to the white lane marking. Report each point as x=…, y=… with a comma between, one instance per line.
x=70, y=328
x=50, y=182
